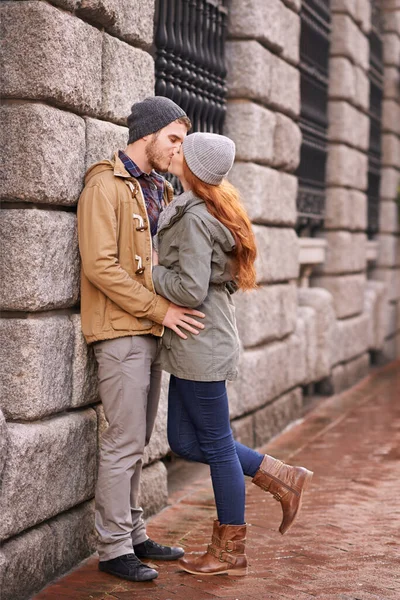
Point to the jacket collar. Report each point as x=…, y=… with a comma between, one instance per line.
x=175, y=209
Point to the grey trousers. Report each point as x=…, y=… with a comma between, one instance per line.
x=129, y=386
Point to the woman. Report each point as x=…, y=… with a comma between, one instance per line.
x=206, y=250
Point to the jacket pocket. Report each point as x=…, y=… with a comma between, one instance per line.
x=120, y=320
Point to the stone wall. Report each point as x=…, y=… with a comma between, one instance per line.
x=278, y=337
x=71, y=72
x=68, y=83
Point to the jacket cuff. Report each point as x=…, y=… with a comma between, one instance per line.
x=160, y=310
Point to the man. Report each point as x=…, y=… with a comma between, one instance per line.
x=124, y=318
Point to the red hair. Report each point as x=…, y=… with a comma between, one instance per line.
x=223, y=202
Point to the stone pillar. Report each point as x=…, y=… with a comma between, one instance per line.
x=343, y=273
x=263, y=108
x=387, y=266
x=71, y=71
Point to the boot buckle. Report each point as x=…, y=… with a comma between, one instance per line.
x=227, y=548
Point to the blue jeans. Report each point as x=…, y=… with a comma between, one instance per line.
x=199, y=430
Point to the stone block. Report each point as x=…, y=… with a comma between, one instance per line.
x=391, y=49
x=347, y=375
x=363, y=15
x=242, y=120
x=39, y=267
x=347, y=292
x=273, y=418
x=130, y=20
x=346, y=253
x=293, y=4
x=390, y=350
x=120, y=91
x=352, y=338
x=392, y=310
x=389, y=217
x=3, y=442
x=391, y=20
x=243, y=431
x=257, y=74
x=309, y=318
x=348, y=125
x=37, y=360
x=285, y=87
x=67, y=4
x=362, y=89
x=291, y=37
x=249, y=67
x=388, y=250
x=287, y=143
x=390, y=150
x=344, y=6
x=322, y=303
x=103, y=139
x=376, y=306
x=158, y=446
x=345, y=209
x=278, y=254
x=56, y=461
x=286, y=360
x=58, y=59
x=38, y=556
x=84, y=368
x=153, y=489
x=391, y=116
x=347, y=40
x=35, y=139
x=390, y=182
x=391, y=83
x=391, y=278
x=268, y=195
x=257, y=20
x=265, y=314
x=346, y=167
x=342, y=79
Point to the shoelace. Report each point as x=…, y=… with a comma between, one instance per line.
x=131, y=558
x=153, y=544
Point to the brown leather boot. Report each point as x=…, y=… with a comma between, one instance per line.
x=225, y=554
x=286, y=484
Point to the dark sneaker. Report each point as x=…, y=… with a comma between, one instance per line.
x=128, y=566
x=152, y=550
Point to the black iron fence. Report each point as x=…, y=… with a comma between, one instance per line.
x=190, y=58
x=314, y=61
x=375, y=115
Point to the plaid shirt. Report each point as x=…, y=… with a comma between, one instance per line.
x=152, y=187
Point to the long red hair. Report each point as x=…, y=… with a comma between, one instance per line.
x=223, y=202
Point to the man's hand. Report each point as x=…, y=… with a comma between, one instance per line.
x=178, y=315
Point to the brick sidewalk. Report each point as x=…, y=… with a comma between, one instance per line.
x=346, y=543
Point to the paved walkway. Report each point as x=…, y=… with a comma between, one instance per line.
x=344, y=546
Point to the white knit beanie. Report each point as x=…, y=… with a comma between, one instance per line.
x=209, y=156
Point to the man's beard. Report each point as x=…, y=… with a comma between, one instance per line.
x=155, y=157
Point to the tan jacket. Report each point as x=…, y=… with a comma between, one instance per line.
x=117, y=296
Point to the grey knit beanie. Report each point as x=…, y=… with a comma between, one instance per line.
x=209, y=156
x=150, y=115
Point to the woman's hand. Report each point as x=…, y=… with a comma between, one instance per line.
x=155, y=258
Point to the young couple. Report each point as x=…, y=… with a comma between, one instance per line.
x=157, y=278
